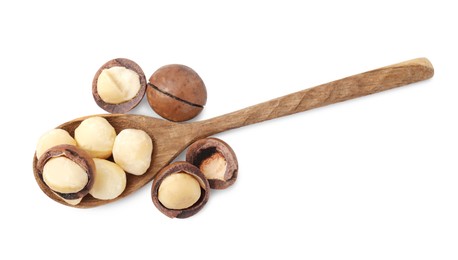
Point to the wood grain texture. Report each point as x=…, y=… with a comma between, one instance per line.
x=333, y=92
x=170, y=139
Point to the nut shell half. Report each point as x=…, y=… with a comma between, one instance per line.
x=211, y=148
x=128, y=105
x=187, y=168
x=78, y=156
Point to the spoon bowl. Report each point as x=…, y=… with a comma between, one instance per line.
x=170, y=139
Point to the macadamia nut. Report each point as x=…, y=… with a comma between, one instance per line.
x=176, y=92
x=110, y=180
x=216, y=160
x=179, y=191
x=64, y=175
x=118, y=84
x=53, y=138
x=214, y=167
x=96, y=136
x=71, y=202
x=132, y=151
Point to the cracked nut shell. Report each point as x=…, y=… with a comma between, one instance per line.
x=176, y=92
x=76, y=155
x=216, y=160
x=180, y=167
x=119, y=82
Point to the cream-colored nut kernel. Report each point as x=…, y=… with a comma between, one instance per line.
x=96, y=136
x=64, y=175
x=179, y=191
x=118, y=84
x=132, y=151
x=110, y=180
x=71, y=202
x=53, y=138
x=214, y=167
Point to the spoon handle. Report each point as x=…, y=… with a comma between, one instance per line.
x=358, y=85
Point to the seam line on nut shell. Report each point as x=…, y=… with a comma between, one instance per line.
x=172, y=96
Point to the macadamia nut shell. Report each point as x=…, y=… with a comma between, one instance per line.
x=204, y=149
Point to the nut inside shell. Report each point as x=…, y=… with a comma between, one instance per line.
x=76, y=155
x=216, y=160
x=180, y=168
x=176, y=92
x=119, y=85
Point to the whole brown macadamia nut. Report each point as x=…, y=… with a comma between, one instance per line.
x=176, y=92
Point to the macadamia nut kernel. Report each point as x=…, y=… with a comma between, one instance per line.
x=132, y=151
x=110, y=181
x=179, y=191
x=64, y=175
x=71, y=202
x=96, y=136
x=214, y=167
x=53, y=138
x=118, y=84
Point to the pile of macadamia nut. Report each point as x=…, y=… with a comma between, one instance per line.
x=73, y=167
x=96, y=159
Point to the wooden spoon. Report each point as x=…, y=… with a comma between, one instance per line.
x=170, y=139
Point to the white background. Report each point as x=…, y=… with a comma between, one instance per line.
x=371, y=178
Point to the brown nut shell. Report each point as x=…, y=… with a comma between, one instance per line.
x=208, y=149
x=169, y=107
x=190, y=169
x=176, y=92
x=75, y=154
x=126, y=106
